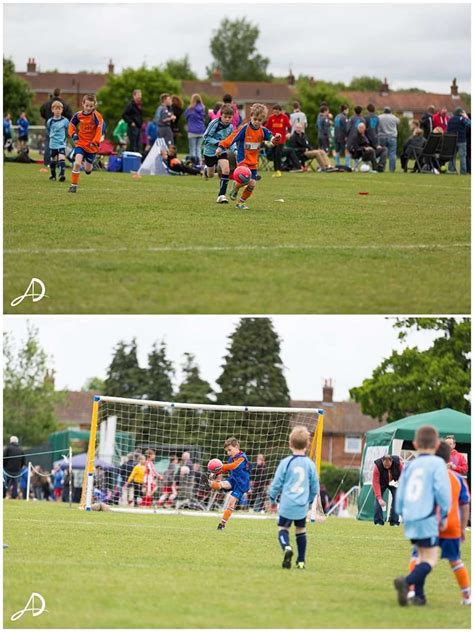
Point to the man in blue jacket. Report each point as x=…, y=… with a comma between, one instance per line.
x=458, y=124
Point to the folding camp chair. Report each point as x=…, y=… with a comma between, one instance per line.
x=425, y=159
x=448, y=149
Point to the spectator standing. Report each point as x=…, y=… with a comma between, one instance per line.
x=24, y=481
x=385, y=476
x=440, y=119
x=457, y=462
x=13, y=462
x=120, y=135
x=325, y=498
x=169, y=492
x=278, y=123
x=23, y=125
x=458, y=124
x=388, y=132
x=132, y=115
x=372, y=125
x=259, y=483
x=164, y=118
x=7, y=132
x=427, y=121
x=46, y=113
x=58, y=483
x=177, y=109
x=236, y=119
x=340, y=136
x=195, y=120
x=322, y=126
x=297, y=116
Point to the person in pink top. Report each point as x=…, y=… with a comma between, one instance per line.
x=457, y=463
x=236, y=119
x=440, y=119
x=216, y=111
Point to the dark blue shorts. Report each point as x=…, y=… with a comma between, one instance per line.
x=56, y=152
x=450, y=548
x=88, y=157
x=286, y=522
x=426, y=543
x=237, y=491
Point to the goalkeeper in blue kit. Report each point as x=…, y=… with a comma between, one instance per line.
x=296, y=482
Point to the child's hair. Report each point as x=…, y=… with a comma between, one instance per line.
x=195, y=99
x=141, y=457
x=176, y=100
x=163, y=96
x=150, y=452
x=227, y=109
x=227, y=98
x=57, y=104
x=296, y=104
x=231, y=441
x=444, y=450
x=323, y=108
x=277, y=106
x=89, y=97
x=343, y=107
x=371, y=107
x=426, y=438
x=260, y=110
x=218, y=105
x=299, y=438
x=358, y=109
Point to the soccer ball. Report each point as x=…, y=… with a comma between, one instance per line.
x=364, y=168
x=242, y=175
x=214, y=464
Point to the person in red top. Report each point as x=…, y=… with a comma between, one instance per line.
x=86, y=128
x=457, y=462
x=440, y=119
x=278, y=123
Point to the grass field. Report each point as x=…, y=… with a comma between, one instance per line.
x=106, y=570
x=162, y=245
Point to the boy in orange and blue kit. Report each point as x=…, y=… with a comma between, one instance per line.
x=238, y=483
x=86, y=129
x=248, y=139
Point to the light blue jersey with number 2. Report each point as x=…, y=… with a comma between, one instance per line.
x=297, y=482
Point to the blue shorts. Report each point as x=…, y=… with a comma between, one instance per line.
x=88, y=157
x=56, y=152
x=426, y=543
x=286, y=522
x=254, y=172
x=450, y=548
x=237, y=491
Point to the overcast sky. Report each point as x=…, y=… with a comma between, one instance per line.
x=344, y=348
x=419, y=45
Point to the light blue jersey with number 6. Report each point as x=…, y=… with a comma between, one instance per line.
x=297, y=484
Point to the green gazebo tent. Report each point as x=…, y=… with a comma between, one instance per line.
x=392, y=438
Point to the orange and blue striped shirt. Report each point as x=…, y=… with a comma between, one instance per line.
x=89, y=128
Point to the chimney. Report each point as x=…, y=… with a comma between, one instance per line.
x=216, y=77
x=454, y=90
x=110, y=68
x=328, y=392
x=291, y=78
x=384, y=89
x=31, y=66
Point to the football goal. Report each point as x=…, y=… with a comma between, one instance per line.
x=147, y=456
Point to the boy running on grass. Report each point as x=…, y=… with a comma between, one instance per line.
x=297, y=484
x=423, y=500
x=248, y=139
x=57, y=127
x=217, y=130
x=86, y=130
x=238, y=482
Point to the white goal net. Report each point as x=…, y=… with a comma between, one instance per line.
x=152, y=455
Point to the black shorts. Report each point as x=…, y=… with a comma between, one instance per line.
x=211, y=161
x=286, y=522
x=56, y=152
x=426, y=543
x=25, y=138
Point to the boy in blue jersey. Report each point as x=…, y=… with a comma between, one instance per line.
x=23, y=127
x=57, y=127
x=238, y=482
x=423, y=500
x=296, y=481
x=217, y=130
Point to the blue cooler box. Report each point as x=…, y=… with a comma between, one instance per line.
x=131, y=161
x=115, y=163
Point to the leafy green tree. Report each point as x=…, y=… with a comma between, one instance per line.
x=117, y=92
x=160, y=374
x=193, y=389
x=180, y=69
x=311, y=95
x=403, y=134
x=17, y=95
x=365, y=84
x=233, y=48
x=415, y=381
x=29, y=398
x=253, y=371
x=125, y=378
x=466, y=99
x=95, y=384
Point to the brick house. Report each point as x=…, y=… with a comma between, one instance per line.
x=76, y=410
